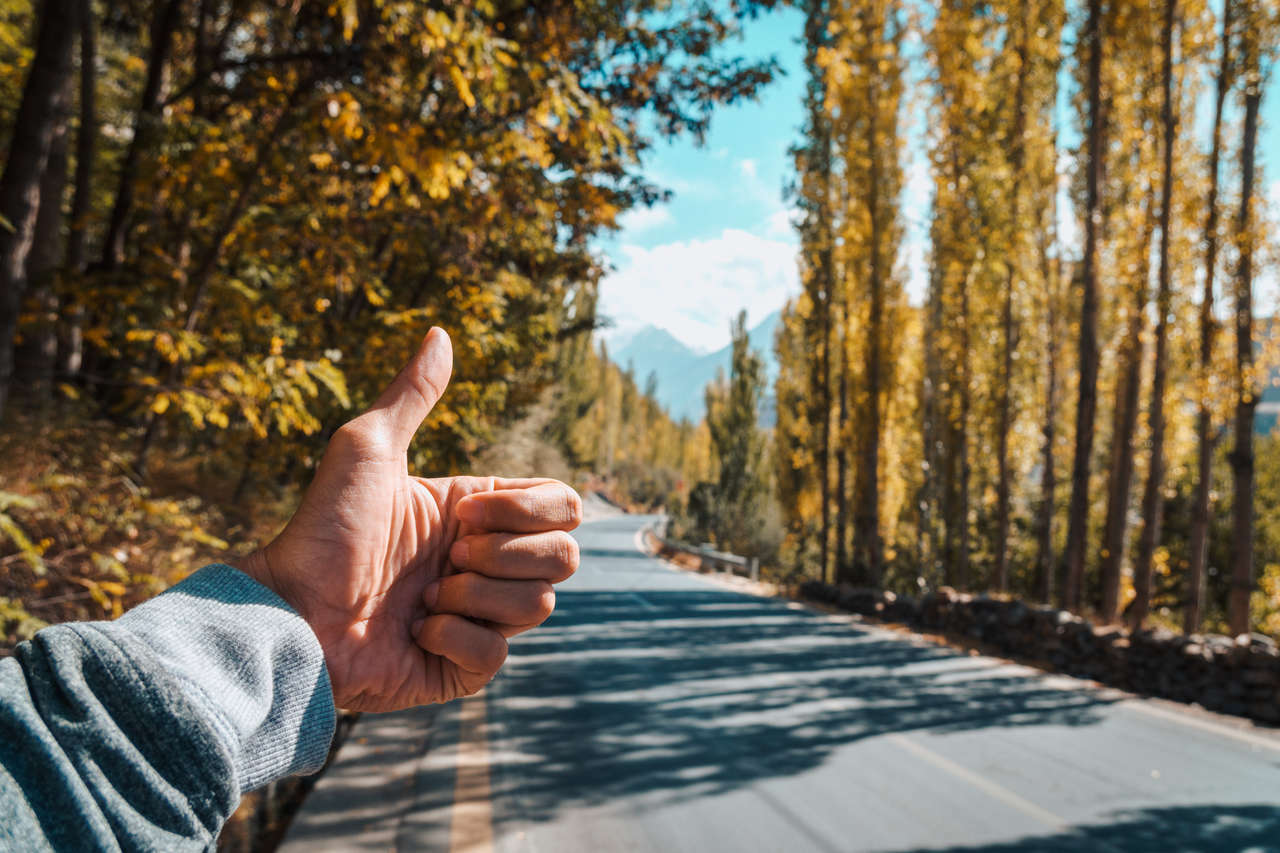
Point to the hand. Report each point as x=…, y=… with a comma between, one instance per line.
x=413, y=585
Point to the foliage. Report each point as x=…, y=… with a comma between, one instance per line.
x=85, y=540
x=276, y=202
x=840, y=406
x=732, y=509
x=966, y=398
x=618, y=437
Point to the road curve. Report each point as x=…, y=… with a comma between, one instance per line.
x=660, y=711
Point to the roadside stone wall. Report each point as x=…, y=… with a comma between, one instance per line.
x=1235, y=676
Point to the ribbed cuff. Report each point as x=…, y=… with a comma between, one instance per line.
x=252, y=662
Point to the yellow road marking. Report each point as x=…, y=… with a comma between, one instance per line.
x=471, y=829
x=988, y=787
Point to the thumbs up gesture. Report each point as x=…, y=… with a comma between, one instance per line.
x=413, y=585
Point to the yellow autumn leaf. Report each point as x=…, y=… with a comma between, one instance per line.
x=350, y=18
x=381, y=186
x=463, y=87
x=374, y=295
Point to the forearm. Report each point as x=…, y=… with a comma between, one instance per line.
x=142, y=733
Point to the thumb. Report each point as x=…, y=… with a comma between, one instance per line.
x=417, y=387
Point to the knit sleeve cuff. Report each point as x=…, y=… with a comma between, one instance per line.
x=251, y=662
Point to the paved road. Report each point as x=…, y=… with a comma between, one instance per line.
x=661, y=711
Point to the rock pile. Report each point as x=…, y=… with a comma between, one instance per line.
x=1236, y=676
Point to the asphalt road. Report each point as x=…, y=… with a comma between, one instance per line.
x=662, y=711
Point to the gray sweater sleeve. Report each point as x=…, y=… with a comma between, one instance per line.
x=141, y=734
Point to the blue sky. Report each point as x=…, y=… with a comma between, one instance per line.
x=725, y=242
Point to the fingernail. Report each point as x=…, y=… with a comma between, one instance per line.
x=472, y=512
x=460, y=552
x=431, y=594
x=416, y=628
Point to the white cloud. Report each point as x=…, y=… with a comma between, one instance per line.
x=748, y=168
x=639, y=219
x=693, y=288
x=781, y=223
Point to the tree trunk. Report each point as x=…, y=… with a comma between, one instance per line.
x=1193, y=612
x=1153, y=495
x=86, y=143
x=1051, y=272
x=827, y=273
x=868, y=521
x=1007, y=328
x=933, y=430
x=1048, y=474
x=148, y=116
x=41, y=349
x=71, y=339
x=1124, y=422
x=43, y=104
x=842, y=448
x=815, y=33
x=1242, y=574
x=1086, y=408
x=962, y=451
x=1120, y=471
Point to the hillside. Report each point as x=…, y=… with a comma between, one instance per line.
x=683, y=373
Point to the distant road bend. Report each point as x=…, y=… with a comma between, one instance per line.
x=659, y=711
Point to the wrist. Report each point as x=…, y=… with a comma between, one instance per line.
x=265, y=567
x=257, y=565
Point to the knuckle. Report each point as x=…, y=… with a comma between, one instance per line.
x=497, y=653
x=466, y=586
x=426, y=389
x=545, y=602
x=573, y=507
x=456, y=592
x=567, y=554
x=433, y=637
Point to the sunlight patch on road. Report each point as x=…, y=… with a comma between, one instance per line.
x=992, y=789
x=471, y=828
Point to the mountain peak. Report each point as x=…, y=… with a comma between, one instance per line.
x=683, y=372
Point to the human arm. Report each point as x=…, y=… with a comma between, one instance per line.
x=385, y=591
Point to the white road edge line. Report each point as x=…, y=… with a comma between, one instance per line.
x=988, y=787
x=1135, y=703
x=1186, y=718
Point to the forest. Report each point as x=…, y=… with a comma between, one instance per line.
x=1066, y=421
x=225, y=223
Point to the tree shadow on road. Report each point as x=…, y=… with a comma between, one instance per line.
x=1208, y=828
x=710, y=691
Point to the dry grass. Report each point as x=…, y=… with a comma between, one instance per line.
x=98, y=539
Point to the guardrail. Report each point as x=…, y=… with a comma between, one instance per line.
x=710, y=557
